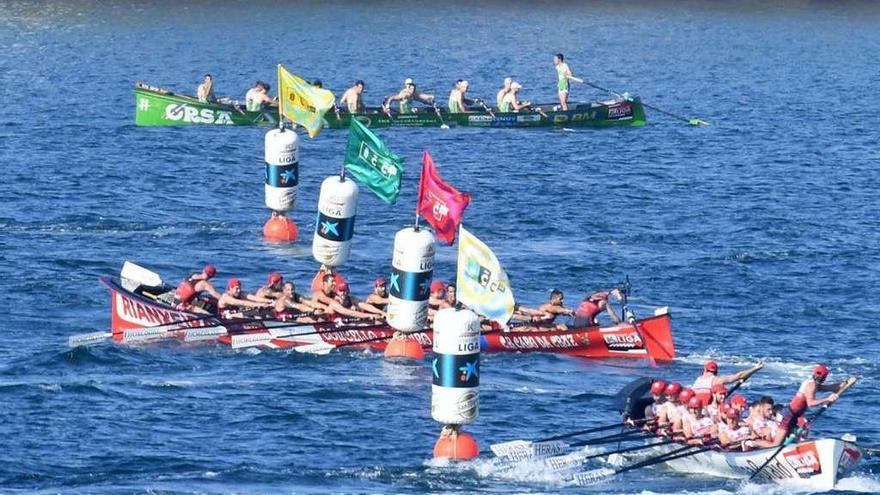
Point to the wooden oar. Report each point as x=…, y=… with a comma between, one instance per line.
x=525, y=449
x=255, y=339
x=692, y=121
x=325, y=348
x=743, y=380
x=482, y=103
x=791, y=437
x=92, y=338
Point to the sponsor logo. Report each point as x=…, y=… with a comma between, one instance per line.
x=192, y=115
x=804, y=459
x=620, y=111
x=143, y=315
x=480, y=119
x=440, y=211
x=528, y=118
x=623, y=342
x=538, y=342
x=849, y=457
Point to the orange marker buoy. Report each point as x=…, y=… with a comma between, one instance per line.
x=404, y=347
x=455, y=445
x=279, y=228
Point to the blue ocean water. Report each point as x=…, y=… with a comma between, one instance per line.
x=759, y=231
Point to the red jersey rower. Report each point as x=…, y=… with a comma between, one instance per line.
x=273, y=287
x=377, y=302
x=703, y=384
x=201, y=281
x=817, y=384
x=593, y=305
x=234, y=300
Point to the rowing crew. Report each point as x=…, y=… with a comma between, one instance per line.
x=697, y=418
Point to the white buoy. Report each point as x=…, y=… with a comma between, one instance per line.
x=334, y=228
x=282, y=169
x=412, y=267
x=455, y=392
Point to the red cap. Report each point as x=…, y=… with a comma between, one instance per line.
x=711, y=366
x=731, y=412
x=233, y=282
x=342, y=286
x=338, y=278
x=739, y=401
x=379, y=282
x=673, y=389
x=820, y=370
x=437, y=285
x=798, y=404
x=719, y=388
x=210, y=270
x=275, y=278
x=694, y=402
x=686, y=395
x=658, y=387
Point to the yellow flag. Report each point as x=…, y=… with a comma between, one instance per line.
x=481, y=283
x=303, y=103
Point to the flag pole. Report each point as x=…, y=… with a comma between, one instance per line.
x=280, y=116
x=419, y=197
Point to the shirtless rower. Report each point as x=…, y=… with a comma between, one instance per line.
x=594, y=304
x=344, y=304
x=289, y=305
x=696, y=425
x=233, y=300
x=377, y=302
x=499, y=98
x=406, y=96
x=510, y=102
x=326, y=293
x=258, y=96
x=451, y=299
x=457, y=101
x=352, y=99
x=273, y=287
x=789, y=424
x=205, y=91
x=703, y=384
x=563, y=78
x=817, y=384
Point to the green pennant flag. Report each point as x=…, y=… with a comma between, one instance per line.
x=372, y=163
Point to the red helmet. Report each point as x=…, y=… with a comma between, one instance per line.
x=210, y=270
x=798, y=404
x=673, y=389
x=342, y=286
x=731, y=413
x=719, y=388
x=185, y=292
x=821, y=371
x=379, y=282
x=694, y=403
x=658, y=387
x=339, y=279
x=437, y=285
x=739, y=401
x=275, y=278
x=686, y=395
x=233, y=282
x=711, y=366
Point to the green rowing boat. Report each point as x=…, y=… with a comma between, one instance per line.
x=160, y=107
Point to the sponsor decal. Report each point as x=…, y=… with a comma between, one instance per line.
x=804, y=459
x=480, y=119
x=334, y=229
x=623, y=342
x=456, y=370
x=538, y=342
x=186, y=113
x=410, y=286
x=376, y=160
x=620, y=111
x=143, y=315
x=848, y=458
x=532, y=117
x=282, y=175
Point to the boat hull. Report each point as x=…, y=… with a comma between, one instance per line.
x=158, y=107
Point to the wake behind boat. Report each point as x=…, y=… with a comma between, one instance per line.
x=156, y=106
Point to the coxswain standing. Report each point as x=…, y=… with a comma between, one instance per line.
x=326, y=293
x=457, y=101
x=563, y=78
x=652, y=411
x=344, y=304
x=205, y=91
x=406, y=96
x=703, y=384
x=377, y=302
x=668, y=414
x=505, y=88
x=817, y=384
x=587, y=312
x=289, y=305
x=273, y=287
x=716, y=404
x=789, y=424
x=353, y=100
x=258, y=96
x=233, y=300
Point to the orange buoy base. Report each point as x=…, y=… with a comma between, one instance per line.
x=456, y=446
x=404, y=347
x=279, y=228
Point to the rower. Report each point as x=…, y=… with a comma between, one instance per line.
x=499, y=99
x=739, y=403
x=653, y=410
x=684, y=398
x=205, y=91
x=817, y=384
x=352, y=99
x=258, y=96
x=697, y=426
x=326, y=293
x=790, y=423
x=731, y=428
x=703, y=384
x=668, y=414
x=510, y=103
x=713, y=408
x=547, y=312
x=289, y=305
x=437, y=295
x=563, y=78
x=457, y=101
x=273, y=287
x=593, y=305
x=406, y=96
x=343, y=304
x=233, y=300
x=759, y=414
x=184, y=297
x=451, y=300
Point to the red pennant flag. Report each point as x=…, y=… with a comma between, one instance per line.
x=439, y=203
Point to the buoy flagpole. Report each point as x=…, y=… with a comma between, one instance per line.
x=421, y=187
x=280, y=113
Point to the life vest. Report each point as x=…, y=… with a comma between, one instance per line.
x=700, y=427
x=702, y=388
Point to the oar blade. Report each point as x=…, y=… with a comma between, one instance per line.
x=521, y=450
x=87, y=339
x=566, y=462
x=593, y=477
x=320, y=348
x=697, y=122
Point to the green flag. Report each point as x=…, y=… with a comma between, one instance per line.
x=372, y=163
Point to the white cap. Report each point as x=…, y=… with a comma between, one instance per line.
x=464, y=83
x=515, y=85
x=508, y=81
x=408, y=80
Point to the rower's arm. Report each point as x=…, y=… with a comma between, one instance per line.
x=247, y=303
x=369, y=308
x=211, y=290
x=339, y=309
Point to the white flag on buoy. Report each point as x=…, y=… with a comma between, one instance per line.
x=481, y=283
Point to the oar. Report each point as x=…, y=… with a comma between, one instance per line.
x=524, y=449
x=264, y=337
x=692, y=121
x=325, y=348
x=791, y=437
x=485, y=107
x=569, y=461
x=437, y=111
x=92, y=338
x=597, y=475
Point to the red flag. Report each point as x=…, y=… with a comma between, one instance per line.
x=439, y=203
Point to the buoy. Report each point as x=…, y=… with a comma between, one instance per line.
x=456, y=445
x=455, y=391
x=334, y=228
x=282, y=169
x=402, y=346
x=412, y=267
x=279, y=228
